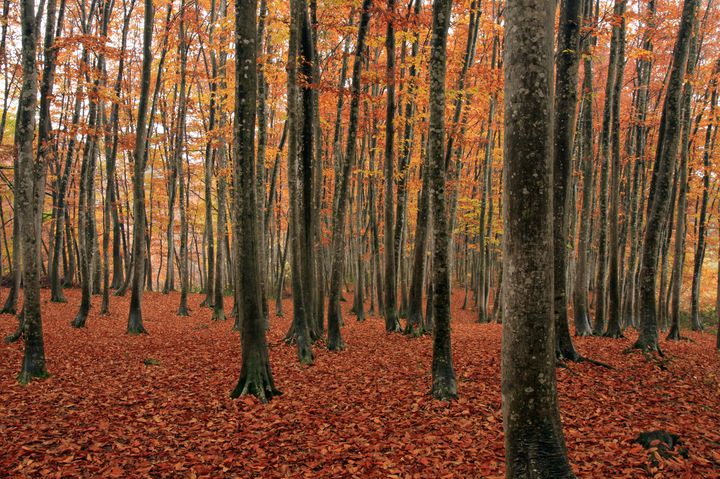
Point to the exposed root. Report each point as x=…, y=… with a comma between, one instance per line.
x=583, y=359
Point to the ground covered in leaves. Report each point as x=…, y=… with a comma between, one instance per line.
x=159, y=405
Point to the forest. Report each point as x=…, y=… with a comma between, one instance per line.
x=359, y=238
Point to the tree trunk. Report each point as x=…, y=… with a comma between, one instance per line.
x=659, y=196
x=299, y=331
x=221, y=157
x=604, y=152
x=565, y=103
x=534, y=442
x=179, y=160
x=30, y=194
x=255, y=374
x=444, y=385
x=335, y=342
x=580, y=288
x=391, y=314
x=613, y=327
x=135, y=323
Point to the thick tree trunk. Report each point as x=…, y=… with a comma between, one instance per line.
x=255, y=374
x=30, y=192
x=534, y=442
x=444, y=385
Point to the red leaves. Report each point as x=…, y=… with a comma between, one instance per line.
x=362, y=413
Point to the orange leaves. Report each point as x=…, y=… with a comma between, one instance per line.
x=362, y=413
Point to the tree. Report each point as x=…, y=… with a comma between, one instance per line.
x=391, y=314
x=255, y=374
x=613, y=307
x=335, y=342
x=659, y=196
x=135, y=323
x=580, y=288
x=444, y=385
x=534, y=442
x=179, y=159
x=565, y=103
x=30, y=192
x=302, y=309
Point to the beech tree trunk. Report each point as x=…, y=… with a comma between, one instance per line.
x=392, y=324
x=565, y=103
x=179, y=160
x=659, y=197
x=299, y=331
x=534, y=442
x=255, y=374
x=30, y=193
x=335, y=342
x=613, y=304
x=135, y=322
x=444, y=384
x=580, y=288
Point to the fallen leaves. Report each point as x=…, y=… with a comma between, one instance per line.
x=361, y=413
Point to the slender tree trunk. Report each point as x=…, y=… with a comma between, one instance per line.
x=391, y=314
x=565, y=103
x=604, y=152
x=220, y=260
x=135, y=323
x=580, y=288
x=335, y=342
x=414, y=326
x=299, y=331
x=179, y=161
x=613, y=328
x=659, y=196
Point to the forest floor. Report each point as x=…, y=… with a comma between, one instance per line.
x=362, y=413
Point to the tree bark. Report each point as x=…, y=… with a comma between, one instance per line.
x=135, y=323
x=565, y=103
x=30, y=192
x=444, y=384
x=613, y=328
x=659, y=196
x=580, y=288
x=255, y=374
x=534, y=442
x=335, y=342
